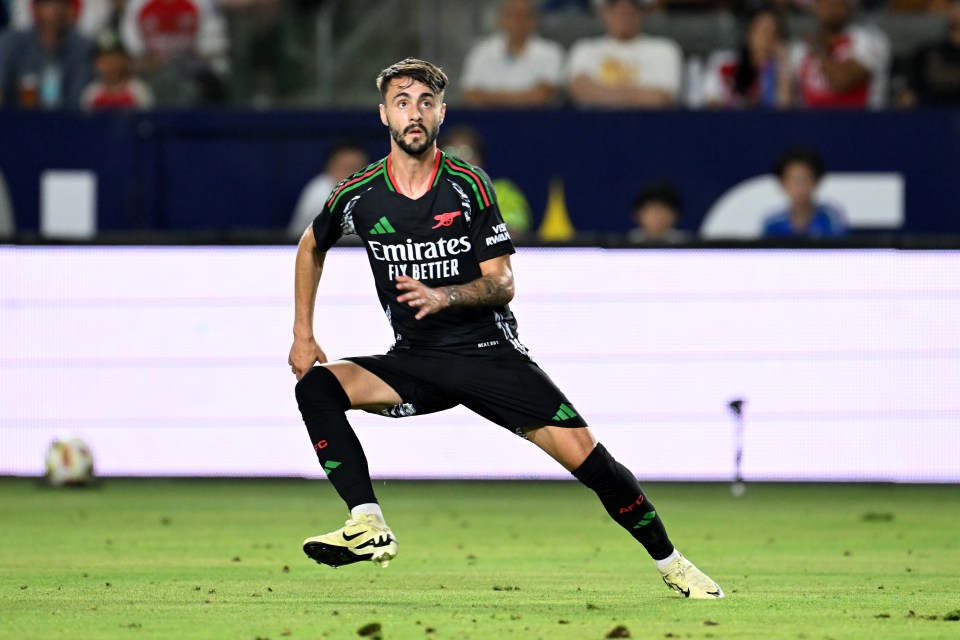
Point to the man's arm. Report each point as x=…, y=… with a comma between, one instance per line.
x=536, y=96
x=841, y=75
x=309, y=267
x=493, y=289
x=589, y=93
x=845, y=75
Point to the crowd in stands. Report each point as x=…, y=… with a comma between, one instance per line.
x=174, y=53
x=95, y=54
x=139, y=54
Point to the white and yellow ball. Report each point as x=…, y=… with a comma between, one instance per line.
x=69, y=462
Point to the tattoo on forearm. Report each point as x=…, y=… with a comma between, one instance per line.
x=488, y=291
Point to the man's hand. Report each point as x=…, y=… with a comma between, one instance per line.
x=304, y=353
x=421, y=296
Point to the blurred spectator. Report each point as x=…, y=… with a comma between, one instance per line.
x=7, y=225
x=687, y=6
x=656, y=212
x=515, y=67
x=465, y=142
x=565, y=5
x=624, y=69
x=48, y=65
x=758, y=73
x=934, y=76
x=115, y=87
x=344, y=159
x=180, y=47
x=917, y=6
x=841, y=65
x=4, y=15
x=91, y=17
x=799, y=170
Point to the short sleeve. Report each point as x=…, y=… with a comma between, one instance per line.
x=715, y=89
x=552, y=67
x=579, y=62
x=871, y=48
x=488, y=231
x=667, y=71
x=473, y=67
x=328, y=225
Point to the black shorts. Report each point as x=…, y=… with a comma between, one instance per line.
x=500, y=384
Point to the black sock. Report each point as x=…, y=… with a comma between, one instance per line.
x=625, y=501
x=323, y=404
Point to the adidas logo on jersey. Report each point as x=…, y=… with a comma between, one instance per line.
x=383, y=226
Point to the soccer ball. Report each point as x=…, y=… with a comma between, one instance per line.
x=69, y=462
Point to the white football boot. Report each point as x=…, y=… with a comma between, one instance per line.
x=363, y=537
x=681, y=576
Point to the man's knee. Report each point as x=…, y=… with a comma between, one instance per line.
x=320, y=390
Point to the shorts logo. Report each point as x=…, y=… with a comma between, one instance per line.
x=445, y=219
x=320, y=445
x=564, y=413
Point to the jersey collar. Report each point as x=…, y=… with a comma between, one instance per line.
x=392, y=184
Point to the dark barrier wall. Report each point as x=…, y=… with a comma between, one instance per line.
x=244, y=170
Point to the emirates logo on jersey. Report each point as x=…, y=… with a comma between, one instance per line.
x=445, y=219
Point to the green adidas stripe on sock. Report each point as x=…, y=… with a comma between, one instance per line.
x=330, y=465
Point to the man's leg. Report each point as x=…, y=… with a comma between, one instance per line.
x=324, y=395
x=618, y=489
x=621, y=495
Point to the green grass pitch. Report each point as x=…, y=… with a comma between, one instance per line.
x=195, y=559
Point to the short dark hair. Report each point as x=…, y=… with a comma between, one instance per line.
x=419, y=70
x=659, y=191
x=803, y=155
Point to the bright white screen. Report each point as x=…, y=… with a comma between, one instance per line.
x=172, y=361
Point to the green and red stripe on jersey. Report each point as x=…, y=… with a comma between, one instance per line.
x=359, y=179
x=464, y=170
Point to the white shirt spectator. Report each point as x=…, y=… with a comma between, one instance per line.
x=489, y=66
x=646, y=61
x=311, y=202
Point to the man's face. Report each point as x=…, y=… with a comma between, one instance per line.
x=799, y=183
x=953, y=14
x=113, y=66
x=622, y=19
x=345, y=163
x=656, y=218
x=53, y=14
x=833, y=15
x=413, y=113
x=763, y=33
x=518, y=19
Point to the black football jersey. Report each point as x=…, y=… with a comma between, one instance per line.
x=439, y=239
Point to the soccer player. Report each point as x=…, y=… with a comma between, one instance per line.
x=440, y=255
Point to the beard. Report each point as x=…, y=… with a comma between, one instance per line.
x=417, y=148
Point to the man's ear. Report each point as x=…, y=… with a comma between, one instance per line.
x=383, y=115
x=443, y=111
